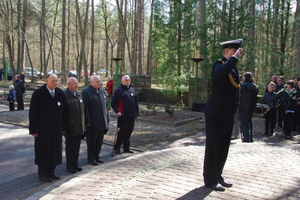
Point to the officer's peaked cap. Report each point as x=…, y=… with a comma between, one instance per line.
x=232, y=44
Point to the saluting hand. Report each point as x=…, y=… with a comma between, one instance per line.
x=239, y=53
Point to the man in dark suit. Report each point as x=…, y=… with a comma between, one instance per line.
x=219, y=114
x=75, y=129
x=96, y=118
x=47, y=123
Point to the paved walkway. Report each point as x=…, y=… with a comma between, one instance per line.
x=266, y=169
x=269, y=168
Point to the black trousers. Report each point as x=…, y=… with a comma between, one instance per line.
x=20, y=103
x=279, y=115
x=94, y=140
x=125, y=133
x=218, y=135
x=270, y=121
x=44, y=170
x=72, y=150
x=246, y=125
x=11, y=106
x=288, y=121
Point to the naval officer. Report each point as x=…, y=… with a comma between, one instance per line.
x=219, y=114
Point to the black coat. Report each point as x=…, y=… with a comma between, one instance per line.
x=48, y=119
x=224, y=98
x=19, y=88
x=75, y=114
x=248, y=97
x=95, y=108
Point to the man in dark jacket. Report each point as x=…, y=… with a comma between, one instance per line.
x=47, y=123
x=247, y=105
x=219, y=114
x=279, y=88
x=20, y=89
x=75, y=129
x=124, y=102
x=96, y=118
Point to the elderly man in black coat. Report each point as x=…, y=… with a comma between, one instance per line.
x=96, y=118
x=76, y=127
x=219, y=114
x=47, y=123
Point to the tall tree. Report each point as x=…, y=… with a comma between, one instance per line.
x=63, y=42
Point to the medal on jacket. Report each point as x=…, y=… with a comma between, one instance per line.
x=80, y=100
x=58, y=103
x=132, y=94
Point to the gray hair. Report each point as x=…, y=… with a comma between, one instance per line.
x=123, y=78
x=93, y=77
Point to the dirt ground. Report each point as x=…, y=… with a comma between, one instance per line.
x=148, y=135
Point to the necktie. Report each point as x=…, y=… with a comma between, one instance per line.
x=52, y=94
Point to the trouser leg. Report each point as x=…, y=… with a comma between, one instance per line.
x=126, y=142
x=218, y=135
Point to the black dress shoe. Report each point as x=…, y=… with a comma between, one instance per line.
x=117, y=151
x=92, y=162
x=72, y=170
x=46, y=179
x=99, y=161
x=78, y=168
x=224, y=184
x=128, y=151
x=217, y=187
x=54, y=176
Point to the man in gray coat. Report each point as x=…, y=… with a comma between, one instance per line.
x=96, y=118
x=75, y=113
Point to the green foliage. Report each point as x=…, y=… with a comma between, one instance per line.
x=173, y=38
x=170, y=110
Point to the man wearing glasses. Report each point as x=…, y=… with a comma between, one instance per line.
x=124, y=103
x=96, y=118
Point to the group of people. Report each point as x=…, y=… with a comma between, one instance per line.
x=16, y=93
x=54, y=113
x=283, y=108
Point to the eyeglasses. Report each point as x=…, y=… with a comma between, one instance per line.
x=127, y=80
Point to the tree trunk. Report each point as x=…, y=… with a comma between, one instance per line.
x=149, y=55
x=63, y=43
x=203, y=32
x=92, y=39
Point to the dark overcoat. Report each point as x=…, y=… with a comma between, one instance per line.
x=224, y=98
x=47, y=118
x=19, y=88
x=75, y=107
x=95, y=108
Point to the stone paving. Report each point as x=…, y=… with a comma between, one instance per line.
x=266, y=169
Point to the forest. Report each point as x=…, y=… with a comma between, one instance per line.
x=152, y=37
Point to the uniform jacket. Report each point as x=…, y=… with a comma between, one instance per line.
x=224, y=98
x=47, y=118
x=95, y=108
x=19, y=88
x=288, y=102
x=270, y=99
x=248, y=97
x=125, y=101
x=75, y=113
x=11, y=95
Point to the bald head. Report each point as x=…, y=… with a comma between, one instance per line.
x=72, y=84
x=51, y=81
